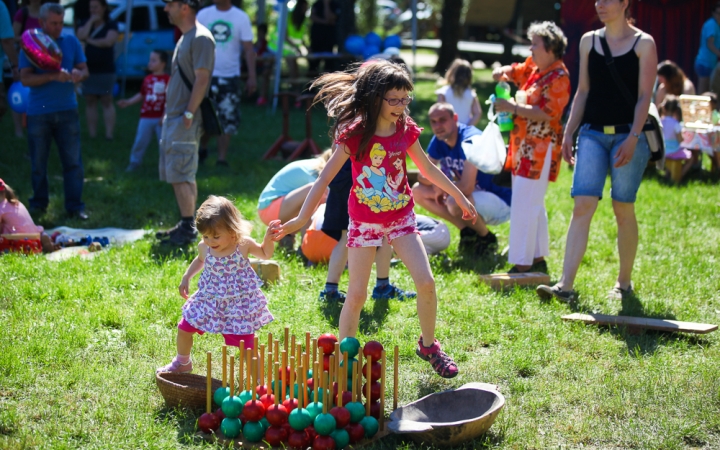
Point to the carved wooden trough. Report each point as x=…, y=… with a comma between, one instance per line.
x=449, y=417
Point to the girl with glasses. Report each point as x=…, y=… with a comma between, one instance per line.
x=373, y=130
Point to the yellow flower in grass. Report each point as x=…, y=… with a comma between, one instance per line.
x=378, y=204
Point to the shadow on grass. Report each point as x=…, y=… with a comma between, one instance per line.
x=162, y=251
x=370, y=322
x=184, y=420
x=481, y=265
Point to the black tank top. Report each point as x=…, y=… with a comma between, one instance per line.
x=606, y=104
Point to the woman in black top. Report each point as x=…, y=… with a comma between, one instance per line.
x=99, y=34
x=611, y=139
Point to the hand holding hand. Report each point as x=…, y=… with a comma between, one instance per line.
x=183, y=288
x=288, y=227
x=63, y=76
x=626, y=151
x=272, y=229
x=122, y=103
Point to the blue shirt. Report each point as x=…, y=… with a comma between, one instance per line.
x=705, y=57
x=295, y=175
x=452, y=162
x=6, y=29
x=55, y=96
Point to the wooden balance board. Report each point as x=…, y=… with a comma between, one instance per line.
x=642, y=323
x=501, y=281
x=268, y=271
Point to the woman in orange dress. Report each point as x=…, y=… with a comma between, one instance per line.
x=535, y=142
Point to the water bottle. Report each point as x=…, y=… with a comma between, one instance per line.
x=504, y=119
x=521, y=97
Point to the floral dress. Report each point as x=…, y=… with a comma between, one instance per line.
x=228, y=299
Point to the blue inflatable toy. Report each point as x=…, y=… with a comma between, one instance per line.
x=116, y=89
x=18, y=96
x=373, y=38
x=355, y=44
x=392, y=41
x=370, y=51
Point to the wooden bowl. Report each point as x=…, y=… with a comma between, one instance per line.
x=449, y=417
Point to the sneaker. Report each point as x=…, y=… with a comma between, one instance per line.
x=540, y=266
x=164, y=234
x=487, y=244
x=392, y=292
x=617, y=293
x=202, y=155
x=440, y=361
x=468, y=240
x=548, y=292
x=182, y=237
x=332, y=296
x=176, y=367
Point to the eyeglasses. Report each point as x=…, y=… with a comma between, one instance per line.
x=396, y=101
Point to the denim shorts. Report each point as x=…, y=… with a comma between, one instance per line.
x=595, y=158
x=702, y=70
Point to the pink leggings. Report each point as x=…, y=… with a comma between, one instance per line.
x=230, y=339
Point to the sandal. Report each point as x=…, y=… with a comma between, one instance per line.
x=441, y=363
x=176, y=367
x=548, y=292
x=618, y=293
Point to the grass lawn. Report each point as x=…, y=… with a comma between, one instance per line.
x=82, y=338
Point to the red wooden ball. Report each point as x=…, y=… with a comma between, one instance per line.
x=276, y=415
x=267, y=400
x=375, y=371
x=298, y=440
x=356, y=432
x=288, y=429
x=326, y=362
x=290, y=404
x=323, y=443
x=374, y=349
x=254, y=410
x=208, y=422
x=310, y=384
x=261, y=390
x=374, y=391
x=312, y=434
x=275, y=436
x=287, y=376
x=243, y=419
x=347, y=397
x=219, y=414
x=375, y=410
x=341, y=415
x=327, y=343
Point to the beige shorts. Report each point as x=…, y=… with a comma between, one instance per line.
x=178, y=151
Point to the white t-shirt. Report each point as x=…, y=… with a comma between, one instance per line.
x=462, y=105
x=229, y=28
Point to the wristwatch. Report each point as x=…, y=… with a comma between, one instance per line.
x=189, y=115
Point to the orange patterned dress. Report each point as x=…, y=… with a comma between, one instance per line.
x=530, y=140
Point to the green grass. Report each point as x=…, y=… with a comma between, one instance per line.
x=81, y=338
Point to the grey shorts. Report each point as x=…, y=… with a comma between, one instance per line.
x=178, y=151
x=226, y=92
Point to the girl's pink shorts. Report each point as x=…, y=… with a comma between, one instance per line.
x=230, y=339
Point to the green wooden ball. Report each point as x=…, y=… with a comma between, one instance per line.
x=320, y=396
x=357, y=411
x=221, y=394
x=264, y=422
x=370, y=425
x=341, y=437
x=309, y=374
x=325, y=424
x=314, y=409
x=232, y=407
x=245, y=396
x=231, y=427
x=351, y=346
x=254, y=431
x=300, y=419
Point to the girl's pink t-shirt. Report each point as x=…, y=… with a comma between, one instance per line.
x=15, y=218
x=380, y=191
x=153, y=92
x=30, y=22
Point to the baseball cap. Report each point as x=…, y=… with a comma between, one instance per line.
x=195, y=4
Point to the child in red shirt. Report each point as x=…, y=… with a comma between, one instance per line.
x=152, y=93
x=373, y=130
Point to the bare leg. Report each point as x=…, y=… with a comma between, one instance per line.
x=577, y=238
x=382, y=260
x=223, y=144
x=412, y=253
x=186, y=196
x=338, y=259
x=627, y=240
x=184, y=342
x=109, y=115
x=425, y=196
x=360, y=263
x=291, y=204
x=91, y=114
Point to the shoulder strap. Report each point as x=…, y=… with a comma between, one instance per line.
x=636, y=41
x=610, y=61
x=184, y=78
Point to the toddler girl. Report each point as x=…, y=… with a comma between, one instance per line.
x=671, y=116
x=369, y=107
x=15, y=218
x=152, y=93
x=458, y=93
x=228, y=300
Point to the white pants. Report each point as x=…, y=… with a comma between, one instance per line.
x=529, y=238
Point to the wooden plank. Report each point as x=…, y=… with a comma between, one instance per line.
x=499, y=281
x=20, y=236
x=642, y=322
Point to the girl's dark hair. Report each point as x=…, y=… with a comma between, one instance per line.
x=106, y=15
x=671, y=107
x=163, y=55
x=357, y=95
x=8, y=193
x=298, y=13
x=628, y=12
x=674, y=76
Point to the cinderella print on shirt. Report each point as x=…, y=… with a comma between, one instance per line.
x=378, y=190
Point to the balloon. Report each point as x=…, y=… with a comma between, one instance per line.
x=116, y=89
x=355, y=44
x=392, y=41
x=370, y=51
x=18, y=96
x=41, y=50
x=373, y=38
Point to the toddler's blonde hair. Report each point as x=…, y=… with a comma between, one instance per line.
x=459, y=76
x=218, y=212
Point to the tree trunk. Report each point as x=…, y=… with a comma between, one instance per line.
x=449, y=34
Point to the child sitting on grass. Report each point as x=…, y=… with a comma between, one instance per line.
x=15, y=218
x=228, y=300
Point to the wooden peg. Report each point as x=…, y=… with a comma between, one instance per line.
x=396, y=356
x=331, y=374
x=283, y=375
x=248, y=365
x=277, y=368
x=292, y=377
x=382, y=392
x=261, y=374
x=208, y=387
x=316, y=381
x=368, y=385
x=241, y=358
x=287, y=338
x=232, y=375
x=253, y=374
x=324, y=377
x=224, y=366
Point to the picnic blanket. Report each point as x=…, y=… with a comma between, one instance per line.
x=117, y=236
